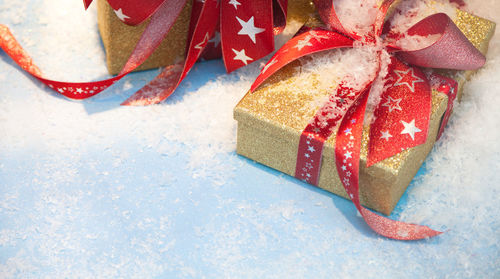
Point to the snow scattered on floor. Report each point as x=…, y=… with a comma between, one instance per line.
x=98, y=190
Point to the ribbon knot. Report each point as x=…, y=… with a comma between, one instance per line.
x=401, y=117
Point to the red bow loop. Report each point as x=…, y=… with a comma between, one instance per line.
x=451, y=50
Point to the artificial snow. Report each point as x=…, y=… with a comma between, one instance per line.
x=93, y=190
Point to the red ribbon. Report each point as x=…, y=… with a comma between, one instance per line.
x=403, y=114
x=246, y=36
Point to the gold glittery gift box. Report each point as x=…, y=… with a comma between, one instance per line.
x=271, y=120
x=120, y=39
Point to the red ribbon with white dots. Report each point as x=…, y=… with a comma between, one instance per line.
x=402, y=117
x=247, y=30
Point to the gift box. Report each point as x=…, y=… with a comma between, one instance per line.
x=119, y=39
x=272, y=118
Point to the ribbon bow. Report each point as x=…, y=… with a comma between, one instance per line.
x=402, y=116
x=246, y=34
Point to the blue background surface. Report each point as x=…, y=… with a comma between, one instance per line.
x=84, y=193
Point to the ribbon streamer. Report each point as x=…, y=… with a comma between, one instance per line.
x=247, y=35
x=404, y=109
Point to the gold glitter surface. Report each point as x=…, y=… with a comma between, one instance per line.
x=120, y=39
x=271, y=119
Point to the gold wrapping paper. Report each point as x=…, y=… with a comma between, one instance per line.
x=120, y=39
x=271, y=120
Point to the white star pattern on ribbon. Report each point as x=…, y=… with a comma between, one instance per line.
x=235, y=4
x=402, y=75
x=202, y=44
x=269, y=64
x=410, y=128
x=393, y=104
x=348, y=155
x=248, y=28
x=311, y=149
x=241, y=55
x=385, y=135
x=303, y=43
x=215, y=39
x=120, y=15
x=317, y=36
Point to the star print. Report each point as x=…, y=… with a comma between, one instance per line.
x=405, y=78
x=240, y=55
x=317, y=36
x=235, y=3
x=79, y=90
x=347, y=182
x=316, y=130
x=202, y=44
x=393, y=104
x=120, y=15
x=348, y=155
x=410, y=129
x=348, y=131
x=269, y=64
x=353, y=121
x=311, y=149
x=248, y=28
x=303, y=43
x=60, y=90
x=307, y=155
x=215, y=39
x=385, y=135
x=344, y=168
x=348, y=174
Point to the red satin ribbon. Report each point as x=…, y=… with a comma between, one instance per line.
x=401, y=118
x=247, y=35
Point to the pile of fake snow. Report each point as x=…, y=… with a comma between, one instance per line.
x=81, y=204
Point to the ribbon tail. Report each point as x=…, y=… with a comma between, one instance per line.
x=73, y=90
x=150, y=40
x=165, y=84
x=347, y=155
